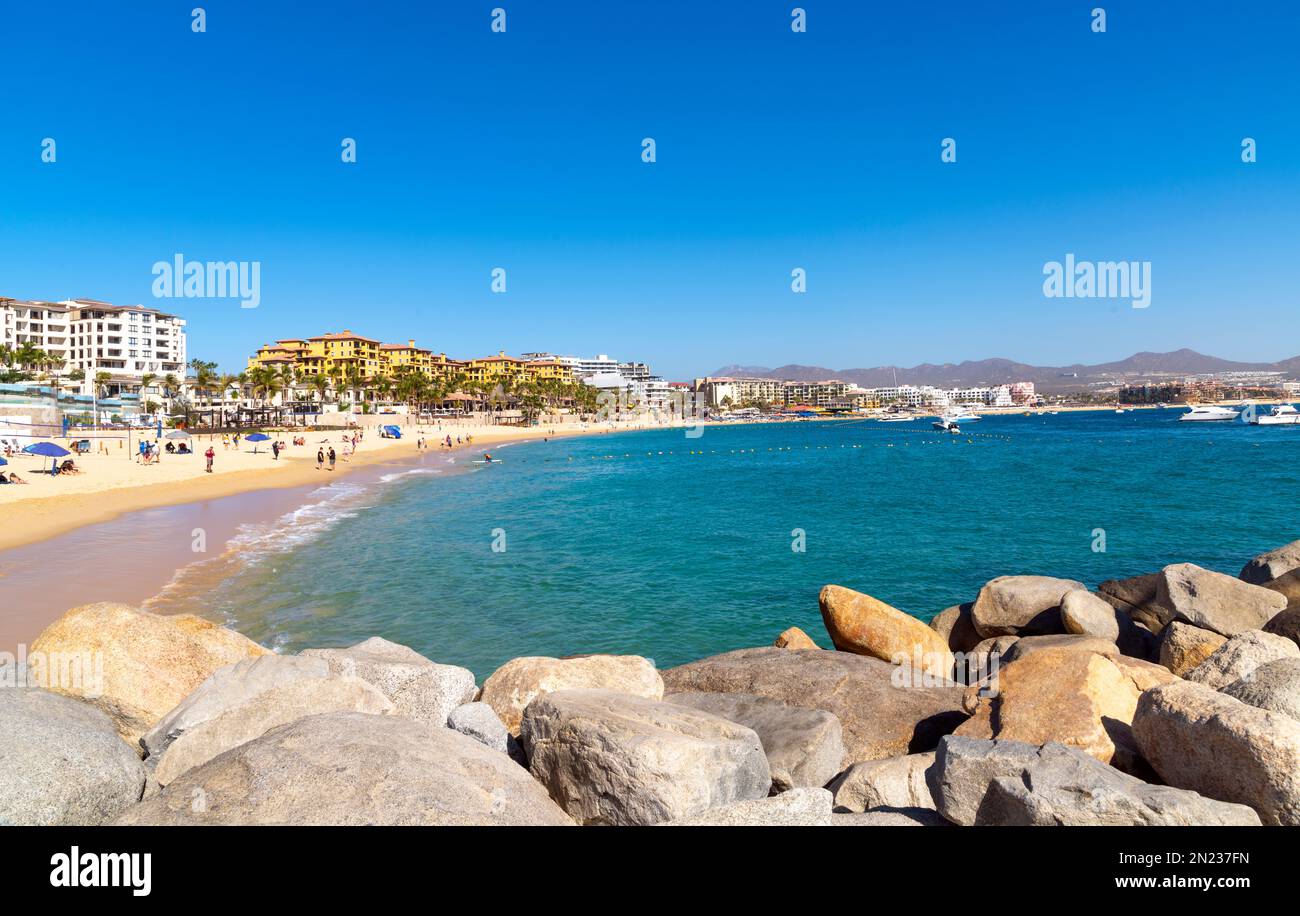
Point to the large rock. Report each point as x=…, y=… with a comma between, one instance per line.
x=1058, y=641
x=1080, y=699
x=898, y=782
x=956, y=627
x=804, y=747
x=803, y=807
x=1240, y=656
x=1286, y=623
x=861, y=624
x=1136, y=597
x=521, y=680
x=227, y=688
x=1085, y=614
x=614, y=758
x=150, y=662
x=1197, y=738
x=419, y=688
x=880, y=718
x=352, y=768
x=1002, y=783
x=480, y=722
x=62, y=762
x=256, y=716
x=795, y=638
x=1183, y=646
x=1273, y=685
x=1272, y=564
x=1021, y=605
x=1287, y=585
x=1209, y=599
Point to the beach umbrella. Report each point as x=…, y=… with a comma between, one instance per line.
x=256, y=437
x=3, y=461
x=178, y=434
x=46, y=450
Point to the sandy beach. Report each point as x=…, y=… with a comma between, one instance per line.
x=116, y=483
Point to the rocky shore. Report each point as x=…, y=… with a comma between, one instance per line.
x=1166, y=699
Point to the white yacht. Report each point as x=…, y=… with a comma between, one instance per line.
x=947, y=424
x=1281, y=415
x=1209, y=412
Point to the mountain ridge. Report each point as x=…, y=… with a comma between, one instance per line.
x=997, y=370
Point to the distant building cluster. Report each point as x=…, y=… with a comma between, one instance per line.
x=1209, y=389
x=735, y=392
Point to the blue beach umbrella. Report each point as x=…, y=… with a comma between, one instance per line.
x=3, y=461
x=46, y=450
x=256, y=437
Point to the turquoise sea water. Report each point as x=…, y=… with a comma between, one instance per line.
x=632, y=543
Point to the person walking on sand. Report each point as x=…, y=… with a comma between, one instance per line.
x=275, y=451
x=210, y=454
x=333, y=457
x=320, y=458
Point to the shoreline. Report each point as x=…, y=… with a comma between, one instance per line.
x=32, y=518
x=137, y=544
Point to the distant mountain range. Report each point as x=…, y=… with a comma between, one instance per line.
x=1138, y=367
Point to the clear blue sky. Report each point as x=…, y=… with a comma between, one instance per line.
x=775, y=151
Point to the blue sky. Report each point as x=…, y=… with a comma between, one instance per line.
x=775, y=150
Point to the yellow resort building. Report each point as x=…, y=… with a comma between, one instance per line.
x=334, y=354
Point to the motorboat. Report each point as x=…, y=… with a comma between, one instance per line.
x=1209, y=413
x=1281, y=415
x=946, y=424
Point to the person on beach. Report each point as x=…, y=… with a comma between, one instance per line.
x=333, y=457
x=320, y=458
x=210, y=454
x=275, y=451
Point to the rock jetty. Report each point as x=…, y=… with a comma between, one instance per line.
x=1168, y=698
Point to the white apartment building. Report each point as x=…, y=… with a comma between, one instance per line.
x=634, y=379
x=639, y=394
x=126, y=341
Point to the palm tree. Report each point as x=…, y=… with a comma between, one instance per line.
x=321, y=385
x=145, y=381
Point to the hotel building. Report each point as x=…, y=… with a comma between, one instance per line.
x=334, y=354
x=125, y=341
